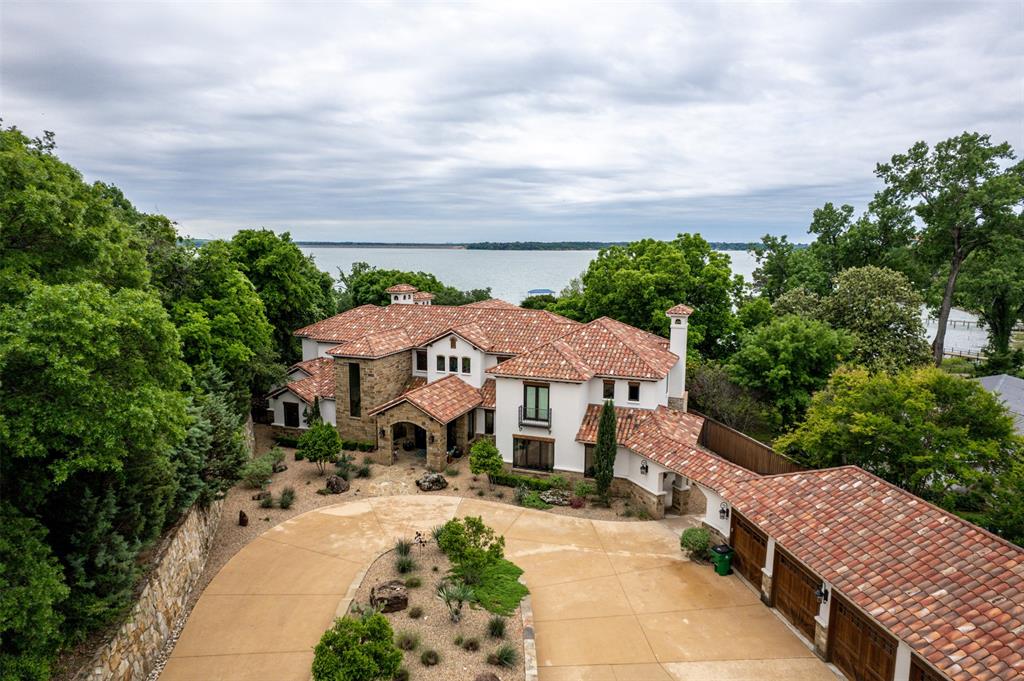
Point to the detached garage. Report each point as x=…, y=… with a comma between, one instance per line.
x=751, y=547
x=859, y=647
x=793, y=592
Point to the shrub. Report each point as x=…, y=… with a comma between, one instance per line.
x=407, y=640
x=480, y=493
x=348, y=445
x=512, y=480
x=403, y=547
x=430, y=657
x=458, y=640
x=584, y=489
x=276, y=455
x=256, y=472
x=500, y=591
x=496, y=627
x=454, y=596
x=344, y=465
x=470, y=546
x=605, y=451
x=451, y=471
x=485, y=459
x=471, y=645
x=577, y=502
x=366, y=447
x=405, y=564
x=401, y=675
x=267, y=501
x=532, y=500
x=363, y=472
x=367, y=460
x=415, y=612
x=358, y=649
x=287, y=441
x=287, y=497
x=504, y=656
x=413, y=582
x=695, y=541
x=320, y=444
x=435, y=532
x=558, y=482
x=299, y=456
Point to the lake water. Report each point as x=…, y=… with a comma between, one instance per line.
x=510, y=274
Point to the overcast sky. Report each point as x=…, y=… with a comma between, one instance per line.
x=408, y=121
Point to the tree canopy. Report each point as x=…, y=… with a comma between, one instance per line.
x=365, y=285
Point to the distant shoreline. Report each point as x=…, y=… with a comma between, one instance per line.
x=509, y=245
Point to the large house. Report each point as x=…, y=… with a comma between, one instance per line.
x=417, y=376
x=879, y=583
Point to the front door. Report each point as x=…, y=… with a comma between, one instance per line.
x=860, y=648
x=291, y=414
x=793, y=590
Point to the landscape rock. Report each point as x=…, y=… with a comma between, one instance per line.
x=280, y=467
x=243, y=519
x=431, y=482
x=390, y=596
x=486, y=676
x=260, y=496
x=337, y=484
x=556, y=497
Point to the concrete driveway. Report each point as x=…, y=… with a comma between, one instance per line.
x=612, y=601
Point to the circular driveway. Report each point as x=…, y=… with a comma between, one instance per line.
x=612, y=601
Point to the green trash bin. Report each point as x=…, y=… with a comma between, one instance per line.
x=721, y=556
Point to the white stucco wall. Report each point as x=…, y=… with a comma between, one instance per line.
x=312, y=349
x=328, y=411
x=627, y=465
x=462, y=348
x=568, y=403
x=678, y=331
x=652, y=393
x=711, y=512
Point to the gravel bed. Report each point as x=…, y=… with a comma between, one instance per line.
x=435, y=628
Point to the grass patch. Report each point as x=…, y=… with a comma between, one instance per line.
x=499, y=591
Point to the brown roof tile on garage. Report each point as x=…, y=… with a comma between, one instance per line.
x=444, y=400
x=320, y=382
x=668, y=437
x=951, y=590
x=603, y=347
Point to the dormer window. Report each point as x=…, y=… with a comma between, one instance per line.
x=453, y=364
x=608, y=390
x=466, y=365
x=421, y=360
x=440, y=363
x=634, y=392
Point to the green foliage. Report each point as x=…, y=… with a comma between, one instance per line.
x=713, y=393
x=405, y=564
x=786, y=361
x=415, y=612
x=403, y=547
x=287, y=498
x=471, y=645
x=364, y=471
x=605, y=450
x=941, y=437
x=267, y=501
x=992, y=284
x=637, y=282
x=430, y=657
x=321, y=445
x=496, y=627
x=294, y=292
x=499, y=590
x=343, y=465
x=544, y=301
x=880, y=308
x=484, y=458
x=558, y=482
x=696, y=541
x=470, y=546
x=365, y=285
x=513, y=480
x=531, y=499
x=584, y=489
x=312, y=414
x=256, y=472
x=407, y=640
x=504, y=656
x=454, y=595
x=357, y=650
x=31, y=589
x=799, y=301
x=413, y=582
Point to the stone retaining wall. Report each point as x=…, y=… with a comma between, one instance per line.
x=130, y=654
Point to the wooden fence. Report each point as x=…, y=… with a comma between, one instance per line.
x=734, y=446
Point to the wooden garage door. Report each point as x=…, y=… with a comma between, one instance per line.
x=793, y=590
x=858, y=646
x=919, y=671
x=751, y=546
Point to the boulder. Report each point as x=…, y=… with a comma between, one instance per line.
x=280, y=467
x=336, y=484
x=243, y=519
x=431, y=482
x=390, y=596
x=260, y=496
x=556, y=497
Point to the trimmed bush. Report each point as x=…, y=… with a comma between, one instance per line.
x=504, y=656
x=401, y=675
x=496, y=627
x=360, y=648
x=287, y=441
x=430, y=657
x=696, y=541
x=407, y=640
x=256, y=472
x=365, y=446
x=512, y=480
x=299, y=456
x=558, y=482
x=287, y=497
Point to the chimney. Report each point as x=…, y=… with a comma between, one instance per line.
x=402, y=294
x=678, y=318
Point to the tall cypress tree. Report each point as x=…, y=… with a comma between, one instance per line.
x=604, y=452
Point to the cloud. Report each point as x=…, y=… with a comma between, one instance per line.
x=519, y=121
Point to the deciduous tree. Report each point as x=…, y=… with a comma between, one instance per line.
x=320, y=444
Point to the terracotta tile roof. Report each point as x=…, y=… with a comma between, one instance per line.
x=949, y=589
x=320, y=383
x=668, y=437
x=604, y=347
x=375, y=345
x=423, y=295
x=680, y=310
x=487, y=394
x=472, y=332
x=510, y=330
x=413, y=383
x=444, y=400
x=493, y=303
x=401, y=288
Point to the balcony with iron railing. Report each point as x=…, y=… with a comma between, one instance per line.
x=534, y=416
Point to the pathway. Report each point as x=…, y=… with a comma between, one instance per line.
x=612, y=601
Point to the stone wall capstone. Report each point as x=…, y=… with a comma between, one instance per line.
x=129, y=655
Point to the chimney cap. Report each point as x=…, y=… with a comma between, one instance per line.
x=679, y=311
x=401, y=288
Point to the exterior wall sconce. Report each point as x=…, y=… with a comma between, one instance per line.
x=382, y=433
x=723, y=511
x=643, y=468
x=431, y=438
x=821, y=594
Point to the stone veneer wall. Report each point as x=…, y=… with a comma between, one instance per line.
x=380, y=380
x=406, y=413
x=130, y=654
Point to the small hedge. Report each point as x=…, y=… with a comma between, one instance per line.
x=513, y=480
x=287, y=441
x=356, y=445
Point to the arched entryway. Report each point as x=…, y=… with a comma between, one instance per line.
x=409, y=438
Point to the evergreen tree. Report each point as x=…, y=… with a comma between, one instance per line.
x=604, y=452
